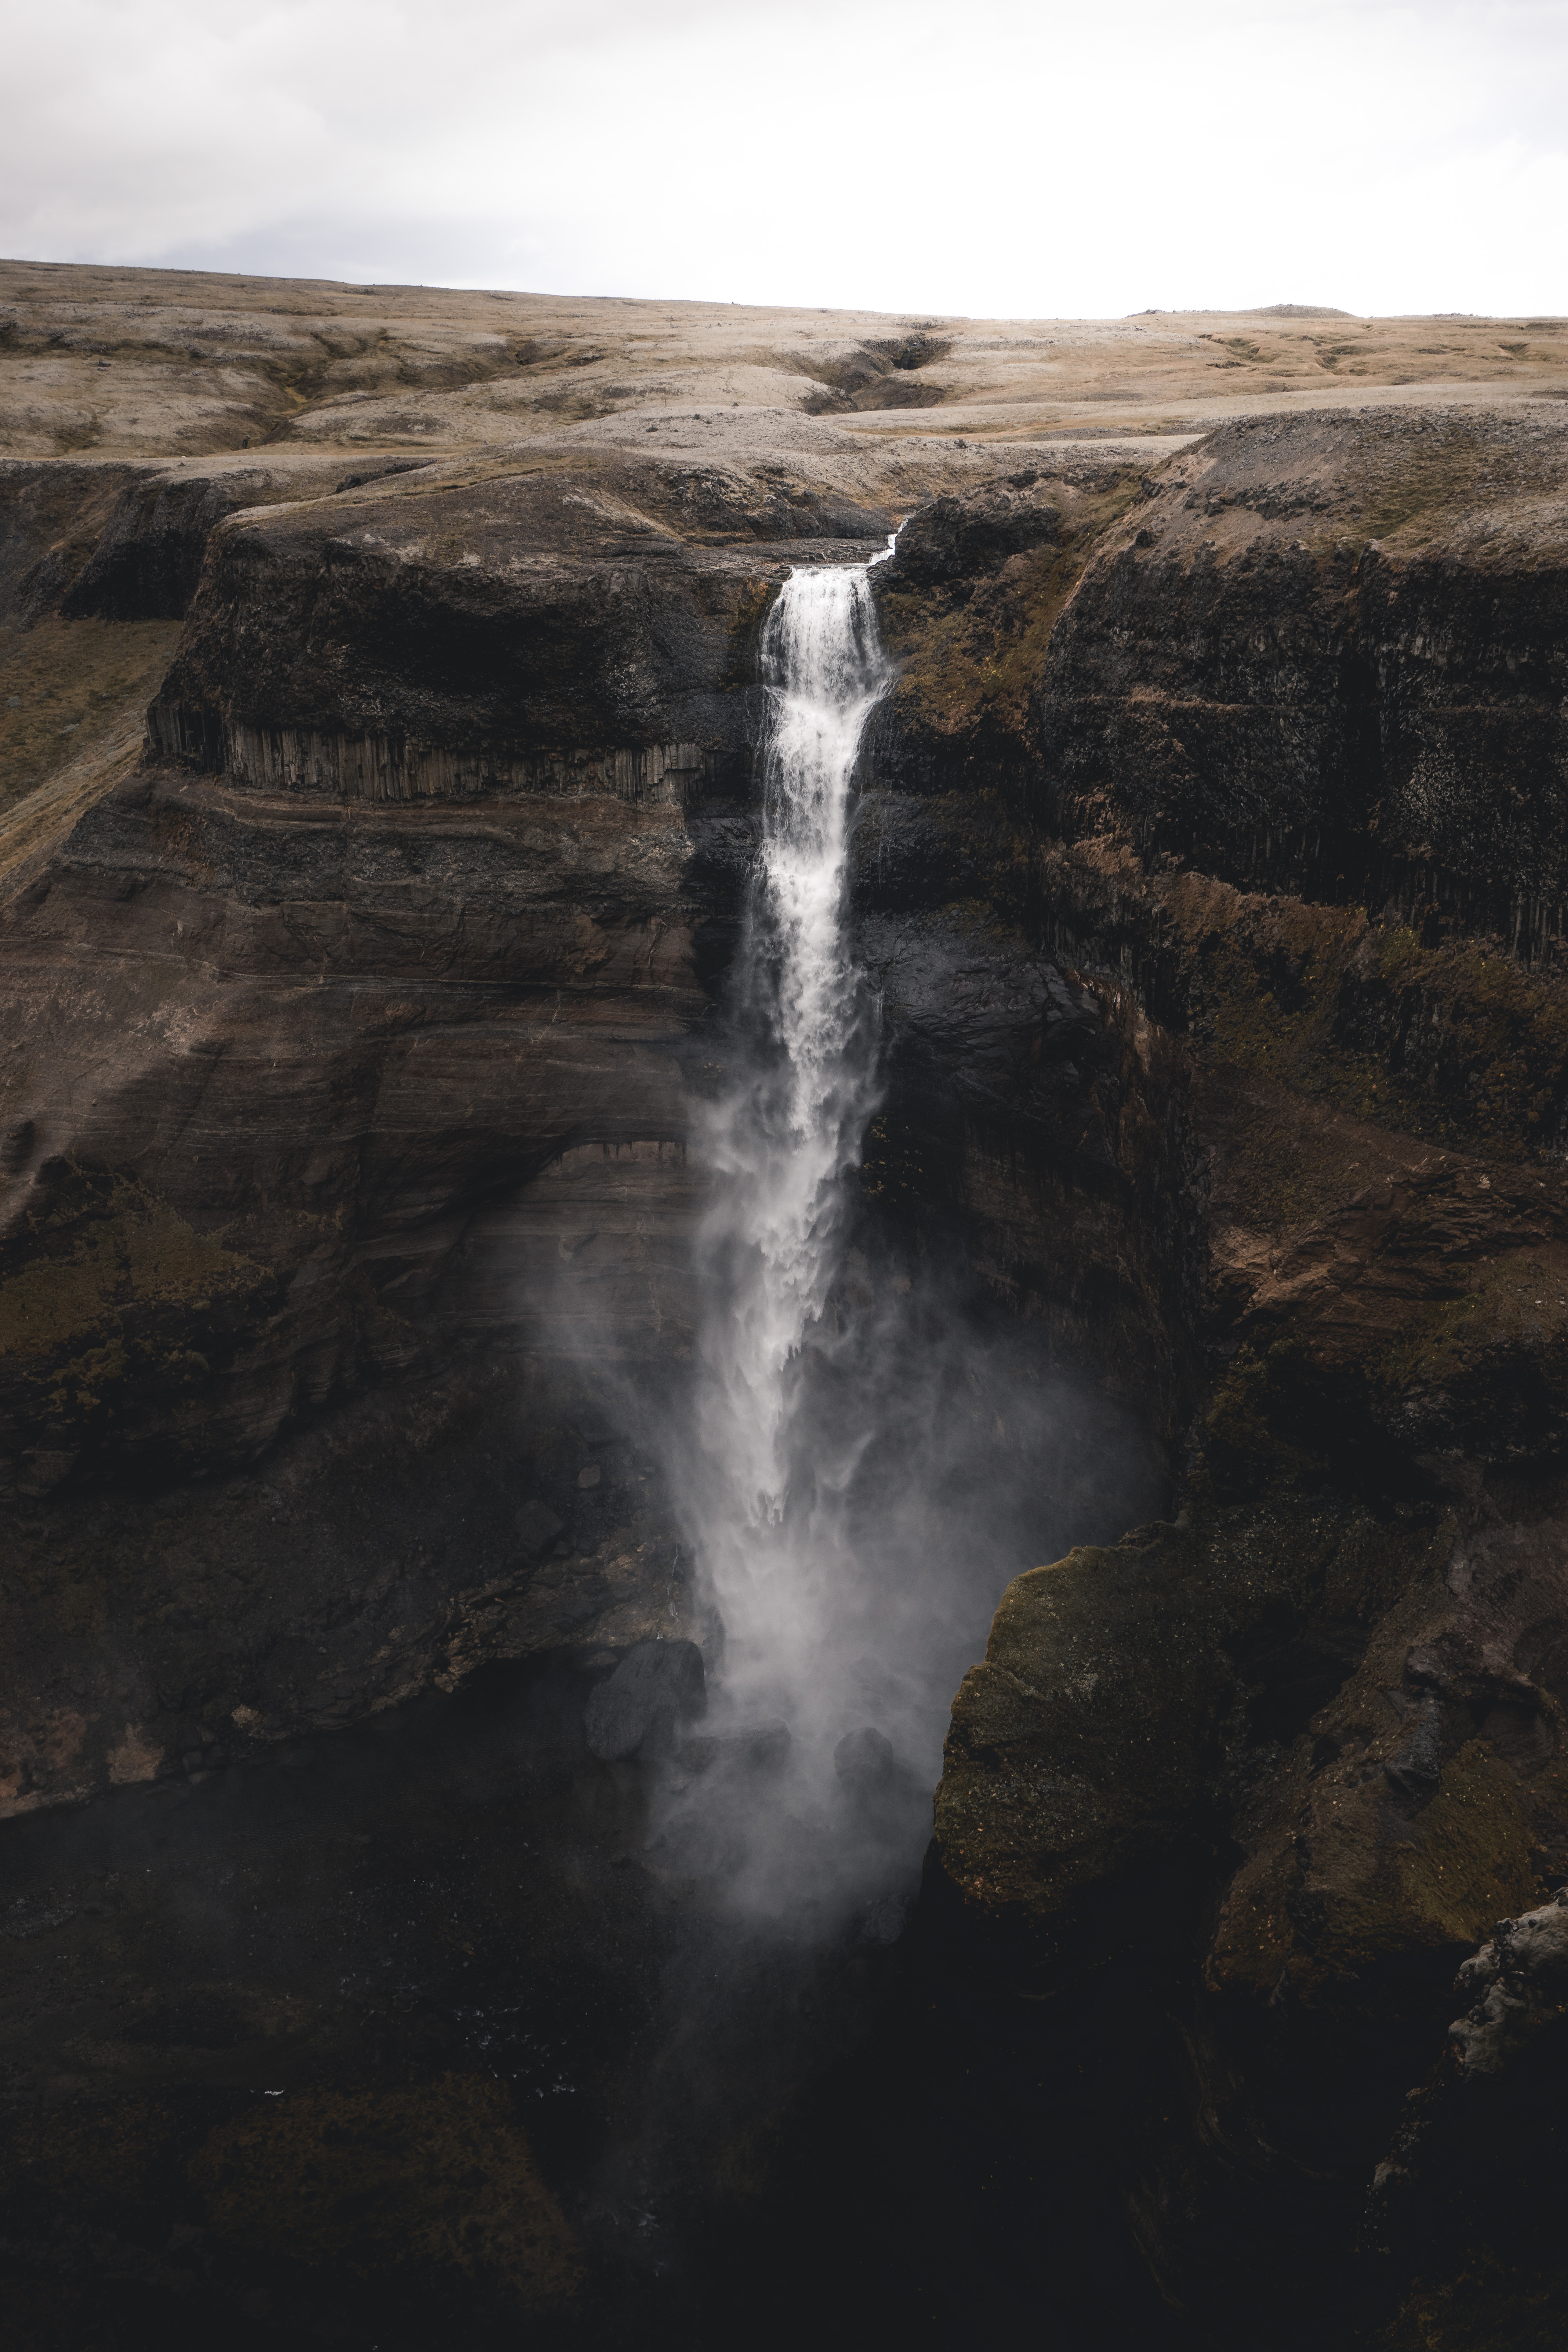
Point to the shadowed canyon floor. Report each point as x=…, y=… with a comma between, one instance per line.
x=381, y=691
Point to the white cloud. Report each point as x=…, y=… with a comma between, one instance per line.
x=1009, y=160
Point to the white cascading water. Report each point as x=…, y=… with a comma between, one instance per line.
x=865, y=1461
x=781, y=1144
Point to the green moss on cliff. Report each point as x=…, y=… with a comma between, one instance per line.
x=1076, y=1746
x=71, y=687
x=422, y=2180
x=1427, y=478
x=1253, y=1435
x=135, y=1252
x=140, y=1251
x=971, y=667
x=1368, y=1899
x=1455, y=1044
x=1468, y=1864
x=1123, y=1689
x=1514, y=1308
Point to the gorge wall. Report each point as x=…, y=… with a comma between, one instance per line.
x=1209, y=865
x=1274, y=1768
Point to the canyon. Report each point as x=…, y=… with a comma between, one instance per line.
x=383, y=689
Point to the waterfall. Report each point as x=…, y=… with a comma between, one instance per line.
x=866, y=1452
x=781, y=1143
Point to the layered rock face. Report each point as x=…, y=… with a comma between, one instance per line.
x=1207, y=864
x=1331, y=656
x=278, y=906
x=1291, y=1757
x=359, y=1020
x=349, y=1027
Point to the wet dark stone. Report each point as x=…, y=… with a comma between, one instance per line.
x=864, y=1761
x=35, y=1916
x=198, y=2021
x=655, y=1686
x=752, y=1748
x=537, y=1527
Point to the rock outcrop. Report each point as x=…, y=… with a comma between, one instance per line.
x=1466, y=2199
x=477, y=762
x=350, y=1030
x=642, y=1707
x=1329, y=659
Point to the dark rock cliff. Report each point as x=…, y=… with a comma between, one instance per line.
x=513, y=623
x=352, y=1018
x=442, y=804
x=1207, y=865
x=1328, y=658
x=1289, y=777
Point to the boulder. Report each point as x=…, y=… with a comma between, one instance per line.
x=655, y=1686
x=956, y=540
x=1465, y=2211
x=1517, y=1983
x=864, y=1761
x=537, y=1527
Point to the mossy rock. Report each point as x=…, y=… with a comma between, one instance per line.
x=111, y=1298
x=1488, y=2305
x=431, y=2179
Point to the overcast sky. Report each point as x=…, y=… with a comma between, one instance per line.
x=1060, y=159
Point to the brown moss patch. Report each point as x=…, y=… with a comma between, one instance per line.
x=135, y=1252
x=111, y=1288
